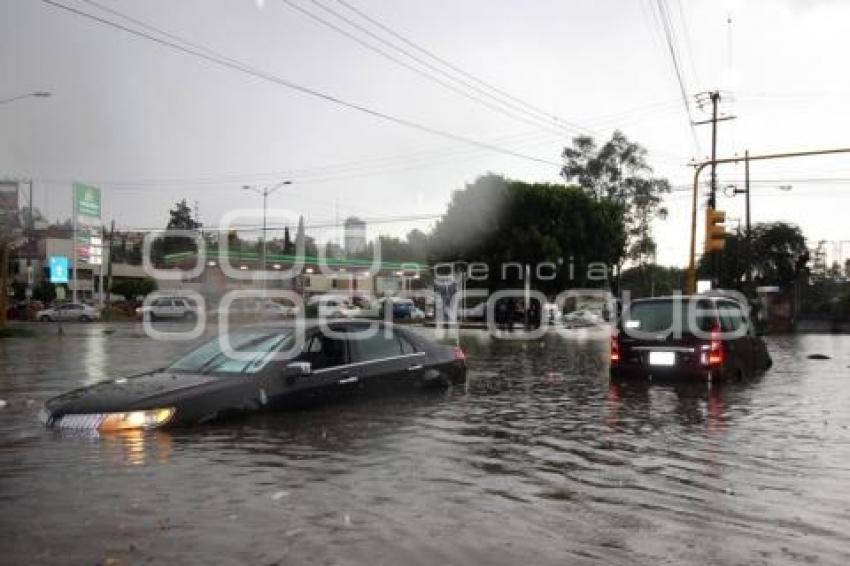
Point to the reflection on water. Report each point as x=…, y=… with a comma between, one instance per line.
x=538, y=459
x=93, y=354
x=136, y=447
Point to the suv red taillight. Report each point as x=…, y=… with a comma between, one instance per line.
x=459, y=354
x=615, y=347
x=716, y=351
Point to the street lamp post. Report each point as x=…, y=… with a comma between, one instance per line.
x=265, y=192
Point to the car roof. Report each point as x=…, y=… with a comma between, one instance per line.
x=705, y=297
x=313, y=323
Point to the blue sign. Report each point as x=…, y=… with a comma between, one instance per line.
x=58, y=269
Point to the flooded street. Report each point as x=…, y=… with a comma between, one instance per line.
x=539, y=460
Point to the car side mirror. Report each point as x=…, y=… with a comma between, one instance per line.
x=295, y=370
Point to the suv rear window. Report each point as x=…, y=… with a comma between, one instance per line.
x=658, y=316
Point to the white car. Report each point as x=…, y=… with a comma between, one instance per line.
x=259, y=308
x=334, y=306
x=584, y=317
x=168, y=307
x=478, y=312
x=68, y=311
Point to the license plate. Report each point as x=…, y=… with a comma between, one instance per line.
x=662, y=358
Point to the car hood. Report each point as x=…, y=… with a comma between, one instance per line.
x=149, y=390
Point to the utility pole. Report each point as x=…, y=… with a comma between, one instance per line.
x=749, y=255
x=747, y=234
x=265, y=192
x=30, y=247
x=714, y=98
x=712, y=199
x=109, y=264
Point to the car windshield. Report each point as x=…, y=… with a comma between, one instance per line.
x=672, y=315
x=254, y=350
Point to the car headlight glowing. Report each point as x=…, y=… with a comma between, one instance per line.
x=150, y=418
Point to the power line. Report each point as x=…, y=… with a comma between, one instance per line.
x=306, y=176
x=223, y=61
x=671, y=45
x=458, y=70
x=688, y=50
x=541, y=114
x=503, y=97
x=503, y=109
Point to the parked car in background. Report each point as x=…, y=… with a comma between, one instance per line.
x=23, y=310
x=400, y=308
x=259, y=308
x=584, y=317
x=334, y=306
x=68, y=311
x=477, y=312
x=169, y=308
x=369, y=306
x=208, y=384
x=687, y=337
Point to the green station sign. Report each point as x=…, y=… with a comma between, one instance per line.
x=86, y=200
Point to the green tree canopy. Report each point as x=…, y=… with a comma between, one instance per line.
x=179, y=218
x=619, y=172
x=133, y=287
x=652, y=280
x=778, y=256
x=498, y=221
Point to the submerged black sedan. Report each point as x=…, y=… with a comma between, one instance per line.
x=260, y=368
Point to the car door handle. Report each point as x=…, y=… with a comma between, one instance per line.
x=415, y=368
x=352, y=379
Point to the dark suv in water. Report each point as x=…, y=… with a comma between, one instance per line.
x=686, y=337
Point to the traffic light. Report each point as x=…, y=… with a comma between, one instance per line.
x=715, y=232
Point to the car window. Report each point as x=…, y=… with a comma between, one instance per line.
x=731, y=316
x=406, y=346
x=325, y=352
x=658, y=315
x=256, y=349
x=381, y=345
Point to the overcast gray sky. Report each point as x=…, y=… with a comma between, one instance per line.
x=151, y=125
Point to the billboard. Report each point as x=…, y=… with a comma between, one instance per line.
x=86, y=200
x=58, y=269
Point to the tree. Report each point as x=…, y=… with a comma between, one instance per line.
x=731, y=263
x=651, y=280
x=133, y=287
x=497, y=221
x=417, y=240
x=180, y=218
x=288, y=245
x=778, y=251
x=619, y=172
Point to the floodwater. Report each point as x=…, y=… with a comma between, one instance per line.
x=539, y=460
